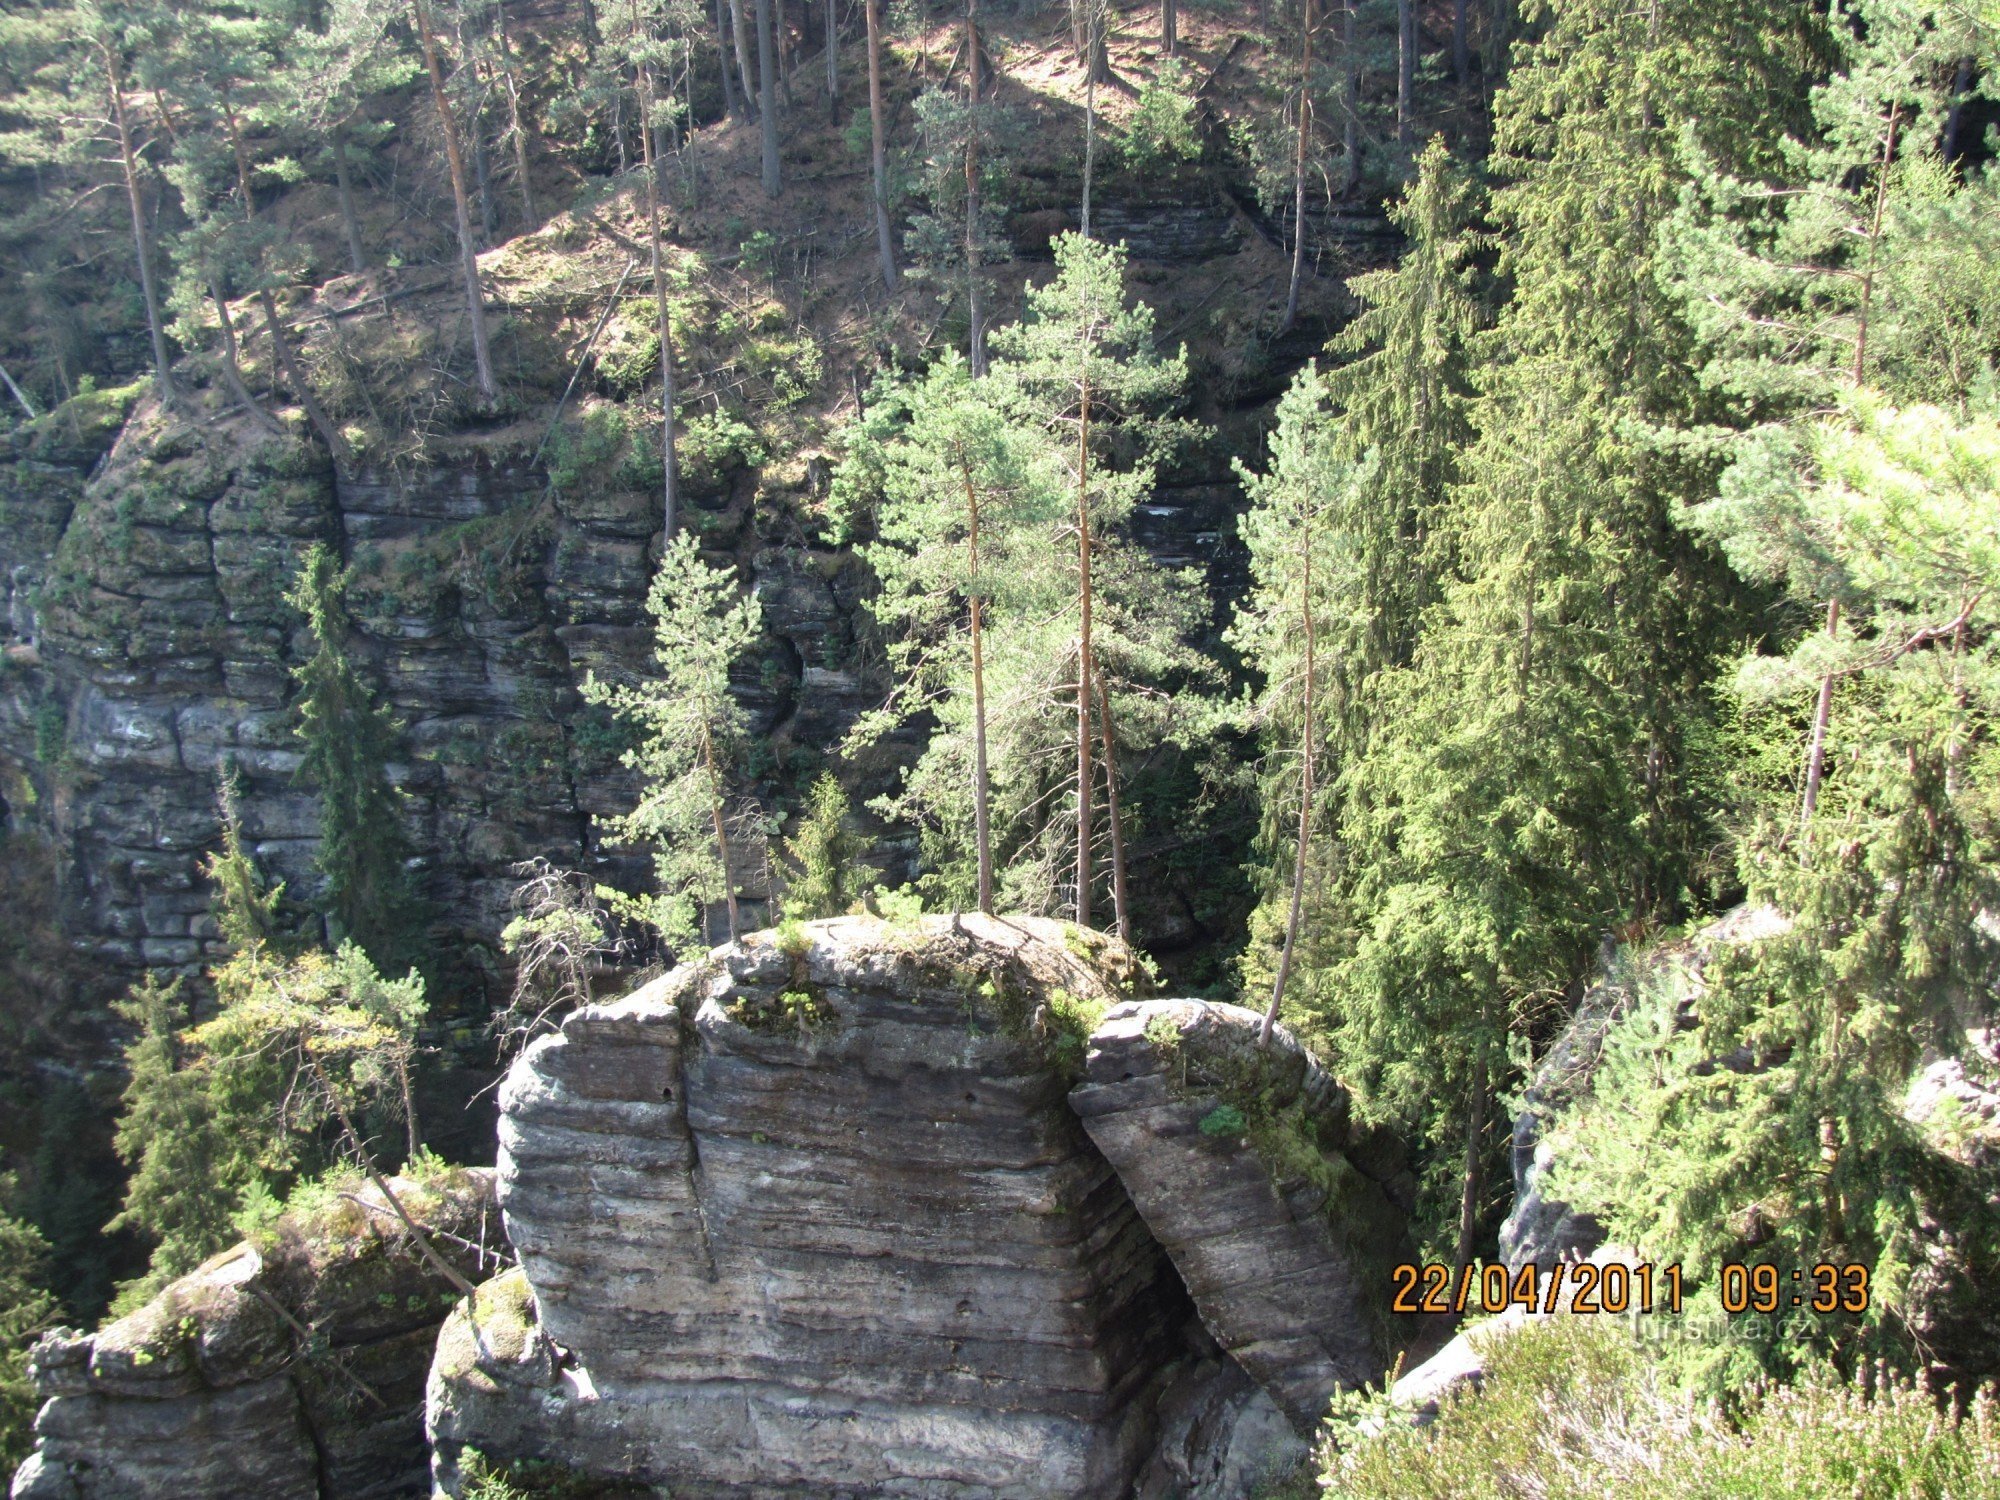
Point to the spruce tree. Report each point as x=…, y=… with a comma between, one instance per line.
x=27, y=1310
x=1529, y=782
x=824, y=879
x=348, y=738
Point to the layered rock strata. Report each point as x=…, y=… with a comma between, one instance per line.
x=290, y=1371
x=1243, y=1161
x=817, y=1220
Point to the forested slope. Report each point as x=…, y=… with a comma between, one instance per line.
x=1383, y=505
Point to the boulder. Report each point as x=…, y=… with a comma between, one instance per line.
x=1281, y=1218
x=288, y=1369
x=812, y=1216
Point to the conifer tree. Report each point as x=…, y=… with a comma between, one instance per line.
x=824, y=855
x=468, y=246
x=1081, y=357
x=1528, y=783
x=348, y=739
x=692, y=738
x=27, y=1310
x=877, y=150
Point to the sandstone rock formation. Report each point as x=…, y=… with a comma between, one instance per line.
x=289, y=1372
x=819, y=1220
x=1243, y=1163
x=815, y=1216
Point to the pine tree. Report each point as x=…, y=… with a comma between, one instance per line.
x=348, y=739
x=1084, y=370
x=692, y=738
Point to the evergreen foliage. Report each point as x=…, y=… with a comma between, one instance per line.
x=26, y=1310
x=824, y=856
x=348, y=738
x=691, y=741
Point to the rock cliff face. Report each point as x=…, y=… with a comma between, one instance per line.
x=820, y=1221
x=819, y=1218
x=294, y=1371
x=1282, y=1239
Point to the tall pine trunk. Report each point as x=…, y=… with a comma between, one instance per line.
x=468, y=254
x=1299, y=165
x=1083, y=673
x=1406, y=69
x=1120, y=912
x=832, y=25
x=1816, y=751
x=232, y=367
x=974, y=291
x=344, y=188
x=878, y=149
x=1300, y=850
x=721, y=831
x=1089, y=144
x=981, y=818
x=141, y=245
x=281, y=347
x=1461, y=51
x=1170, y=31
x=670, y=506
x=739, y=29
x=1472, y=1192
x=767, y=100
x=731, y=104
x=1350, y=104
x=514, y=126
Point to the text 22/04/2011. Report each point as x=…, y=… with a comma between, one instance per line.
x=1620, y=1288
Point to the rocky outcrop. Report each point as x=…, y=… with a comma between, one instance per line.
x=813, y=1216
x=291, y=1368
x=1244, y=1164
x=816, y=1216
x=1542, y=1229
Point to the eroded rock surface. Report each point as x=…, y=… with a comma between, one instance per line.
x=821, y=1221
x=1280, y=1217
x=291, y=1372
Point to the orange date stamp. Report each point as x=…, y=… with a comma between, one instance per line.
x=1618, y=1288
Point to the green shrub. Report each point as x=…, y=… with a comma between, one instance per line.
x=1162, y=132
x=1574, y=1409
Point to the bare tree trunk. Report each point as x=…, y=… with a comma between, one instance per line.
x=115, y=82
x=974, y=290
x=731, y=104
x=1478, y=1104
x=1083, y=819
x=1299, y=165
x=1089, y=142
x=1307, y=737
x=1350, y=105
x=780, y=35
x=20, y=396
x=1170, y=31
x=437, y=1262
x=883, y=243
x=670, y=506
x=468, y=254
x=1816, y=751
x=344, y=187
x=738, y=27
x=767, y=100
x=1121, y=914
x=832, y=24
x=232, y=368
x=982, y=830
x=1406, y=69
x=721, y=830
x=514, y=125
x=281, y=347
x=1461, y=52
